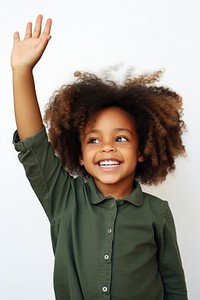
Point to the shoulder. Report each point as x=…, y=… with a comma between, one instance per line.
x=157, y=205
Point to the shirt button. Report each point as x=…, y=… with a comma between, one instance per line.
x=112, y=205
x=104, y=289
x=106, y=256
x=109, y=230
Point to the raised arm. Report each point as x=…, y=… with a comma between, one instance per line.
x=25, y=55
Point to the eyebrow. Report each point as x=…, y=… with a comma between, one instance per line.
x=116, y=129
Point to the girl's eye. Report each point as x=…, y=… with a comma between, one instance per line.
x=121, y=139
x=94, y=141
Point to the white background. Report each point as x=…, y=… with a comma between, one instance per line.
x=91, y=36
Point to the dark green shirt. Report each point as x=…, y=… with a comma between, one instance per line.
x=104, y=249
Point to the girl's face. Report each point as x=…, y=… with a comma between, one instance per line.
x=110, y=151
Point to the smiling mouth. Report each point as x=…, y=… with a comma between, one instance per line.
x=109, y=163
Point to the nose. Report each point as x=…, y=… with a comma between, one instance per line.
x=108, y=148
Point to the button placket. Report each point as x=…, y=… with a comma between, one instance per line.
x=106, y=275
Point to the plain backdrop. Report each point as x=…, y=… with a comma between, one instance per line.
x=93, y=36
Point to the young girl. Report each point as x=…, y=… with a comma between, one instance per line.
x=110, y=240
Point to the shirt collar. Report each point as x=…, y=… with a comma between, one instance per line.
x=135, y=198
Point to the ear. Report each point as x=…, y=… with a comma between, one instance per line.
x=81, y=161
x=141, y=158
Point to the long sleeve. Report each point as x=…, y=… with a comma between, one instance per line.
x=50, y=182
x=169, y=259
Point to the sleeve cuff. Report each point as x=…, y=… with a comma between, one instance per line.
x=29, y=143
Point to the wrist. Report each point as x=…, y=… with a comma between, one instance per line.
x=22, y=70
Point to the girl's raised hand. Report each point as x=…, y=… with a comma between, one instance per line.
x=27, y=52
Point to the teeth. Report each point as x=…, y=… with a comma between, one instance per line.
x=108, y=163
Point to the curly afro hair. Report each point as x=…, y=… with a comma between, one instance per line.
x=156, y=110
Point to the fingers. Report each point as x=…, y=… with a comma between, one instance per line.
x=37, y=28
x=47, y=28
x=28, y=32
x=38, y=25
x=16, y=37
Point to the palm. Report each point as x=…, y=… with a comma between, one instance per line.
x=28, y=51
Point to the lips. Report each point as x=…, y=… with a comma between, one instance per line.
x=108, y=163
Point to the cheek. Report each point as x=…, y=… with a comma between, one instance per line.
x=88, y=156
